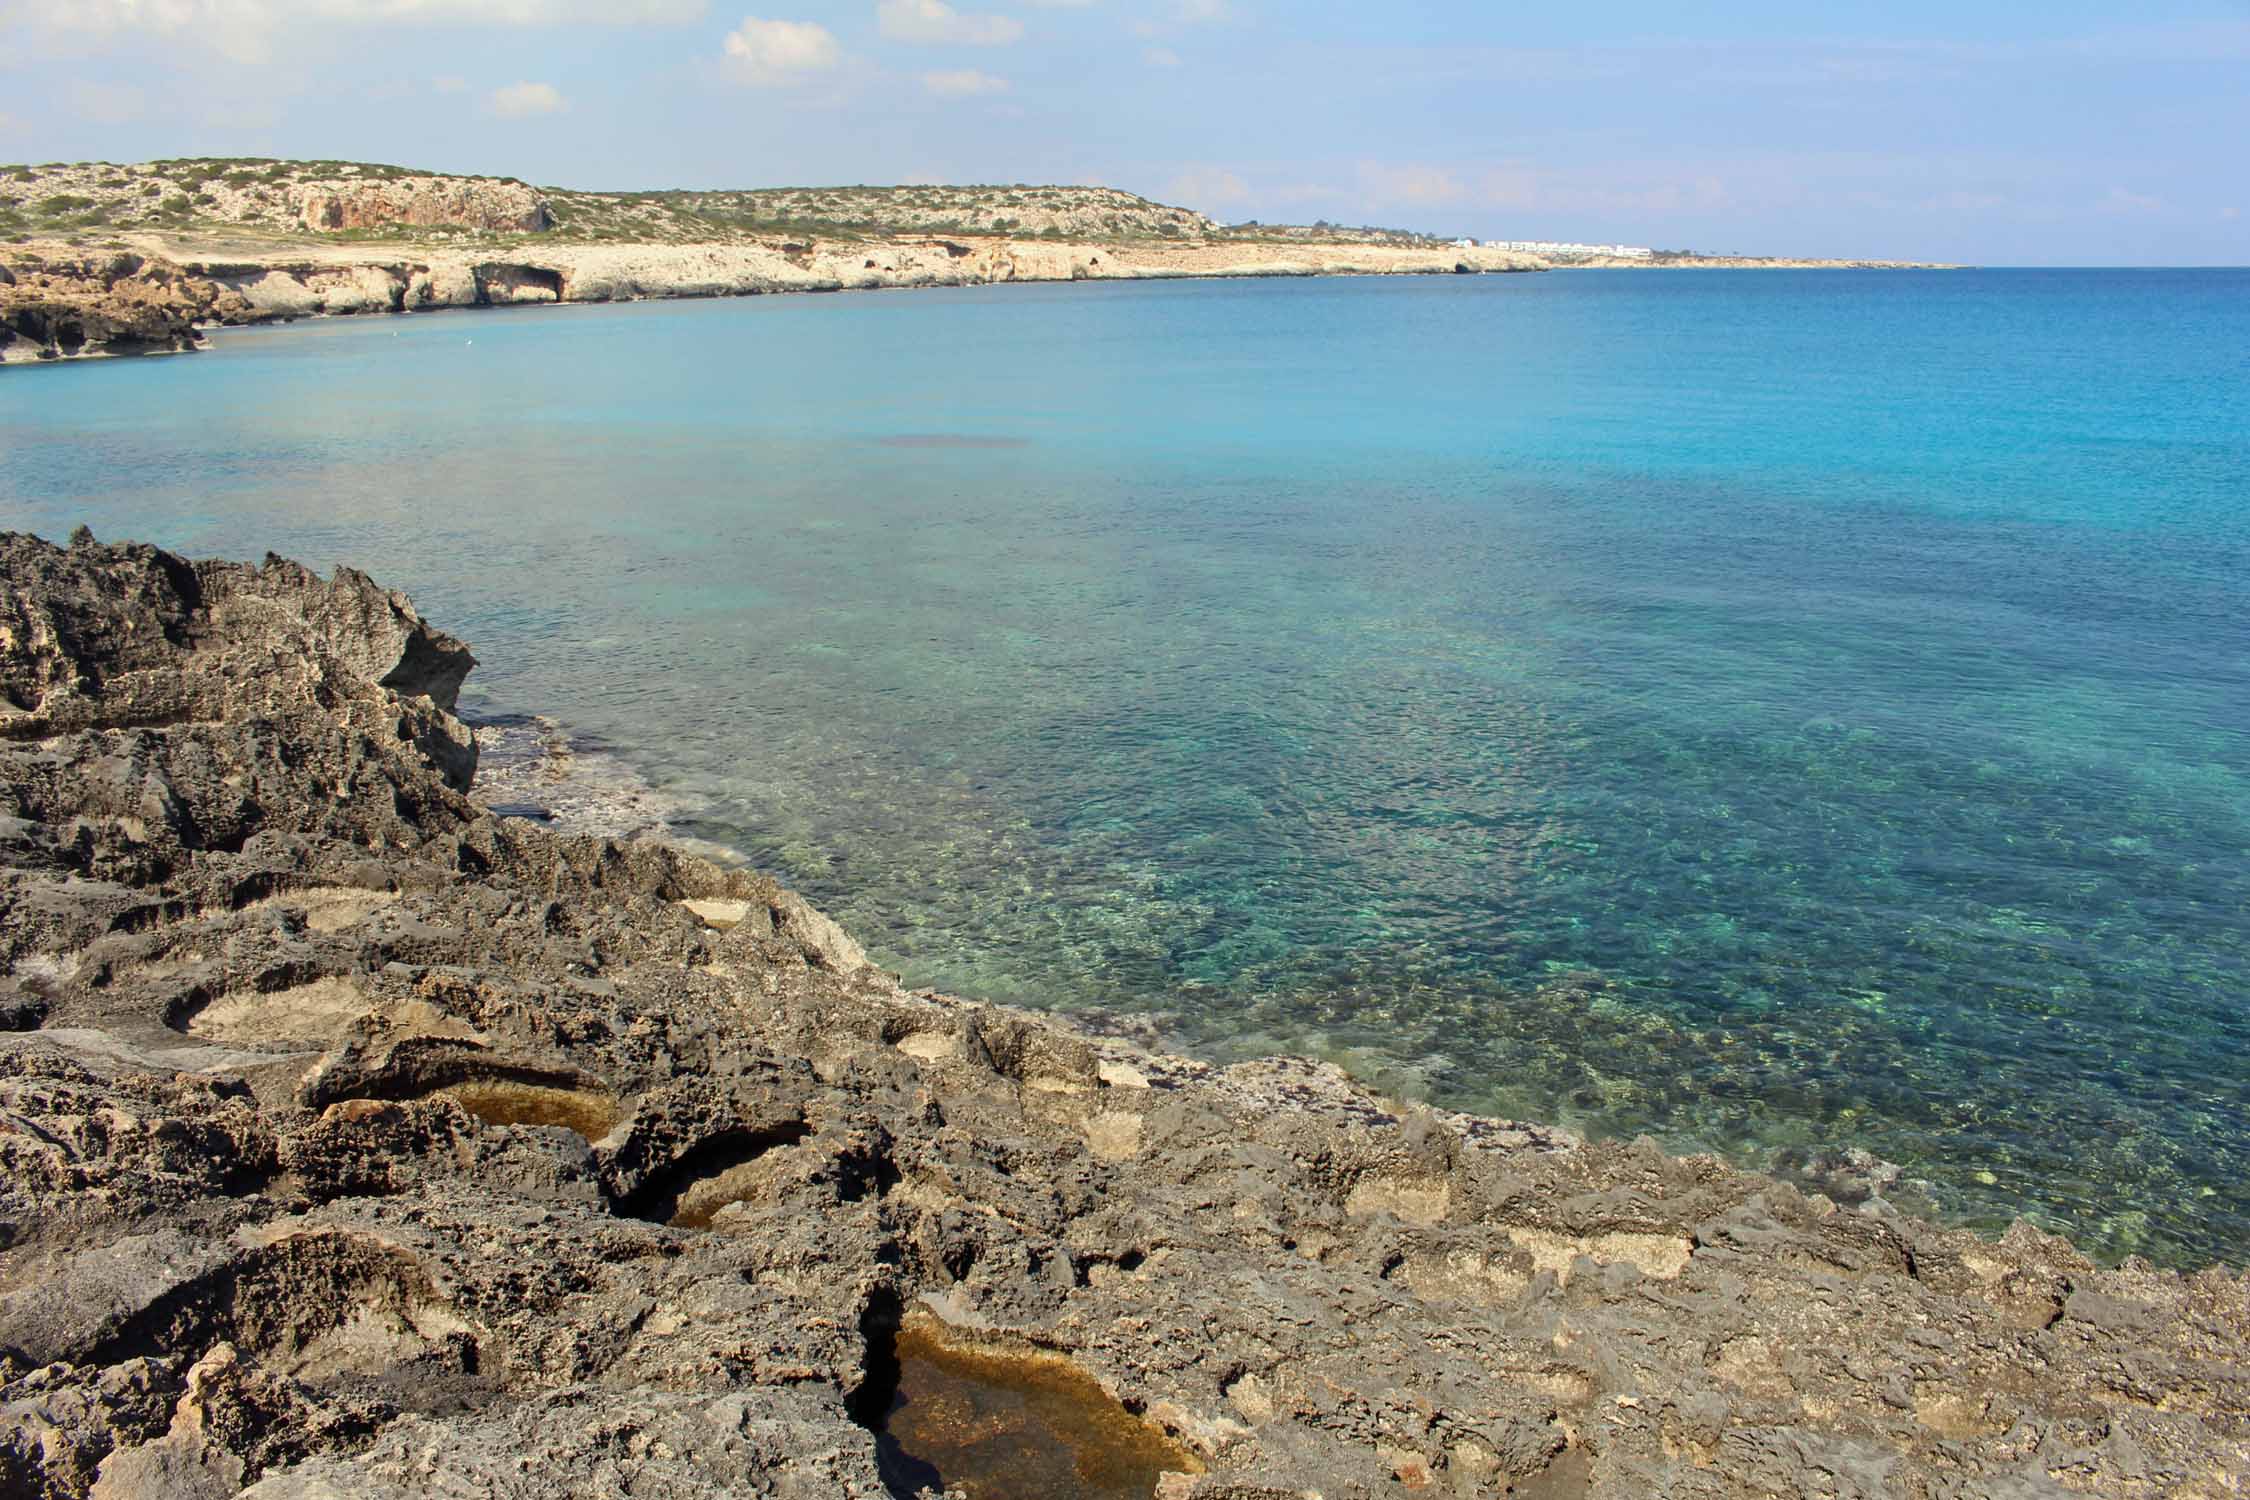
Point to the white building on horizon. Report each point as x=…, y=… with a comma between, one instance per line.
x=1571, y=248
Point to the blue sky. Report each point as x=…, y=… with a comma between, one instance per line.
x=2002, y=133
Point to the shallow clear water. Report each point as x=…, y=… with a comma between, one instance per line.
x=1772, y=711
x=1000, y=1426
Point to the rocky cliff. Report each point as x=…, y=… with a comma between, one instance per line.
x=67, y=304
x=423, y=203
x=112, y=303
x=355, y=1141
x=253, y=240
x=261, y=195
x=327, y=197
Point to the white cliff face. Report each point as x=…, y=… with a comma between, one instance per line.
x=302, y=292
x=60, y=303
x=619, y=273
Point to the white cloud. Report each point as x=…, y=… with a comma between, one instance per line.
x=450, y=83
x=1161, y=57
x=168, y=16
x=106, y=103
x=251, y=31
x=1304, y=192
x=1960, y=203
x=766, y=52
x=2120, y=201
x=963, y=83
x=1173, y=19
x=1413, y=183
x=1513, y=187
x=935, y=21
x=1615, y=192
x=521, y=100
x=1208, y=187
x=236, y=112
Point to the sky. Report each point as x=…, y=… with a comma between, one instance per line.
x=2006, y=132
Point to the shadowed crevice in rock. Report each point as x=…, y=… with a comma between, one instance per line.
x=21, y=1012
x=506, y=283
x=312, y=1301
x=691, y=1191
x=869, y=1401
x=497, y=1091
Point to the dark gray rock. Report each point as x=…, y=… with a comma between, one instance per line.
x=356, y=1141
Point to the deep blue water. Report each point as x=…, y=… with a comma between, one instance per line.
x=1773, y=711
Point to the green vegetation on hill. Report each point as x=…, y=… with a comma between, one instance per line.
x=856, y=211
x=174, y=194
x=264, y=196
x=1323, y=232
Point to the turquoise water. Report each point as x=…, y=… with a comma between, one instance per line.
x=1775, y=711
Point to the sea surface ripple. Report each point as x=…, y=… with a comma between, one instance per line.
x=1778, y=712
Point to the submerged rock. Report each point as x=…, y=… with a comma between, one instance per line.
x=358, y=1141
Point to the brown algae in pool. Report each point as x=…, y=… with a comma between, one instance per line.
x=999, y=1426
x=501, y=1102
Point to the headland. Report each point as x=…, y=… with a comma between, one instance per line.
x=97, y=258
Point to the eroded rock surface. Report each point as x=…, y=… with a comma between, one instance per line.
x=423, y=202
x=63, y=305
x=72, y=306
x=356, y=1142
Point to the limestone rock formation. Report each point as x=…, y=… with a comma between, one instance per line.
x=129, y=303
x=423, y=203
x=118, y=303
x=355, y=1141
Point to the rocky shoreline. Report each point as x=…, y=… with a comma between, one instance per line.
x=359, y=1141
x=57, y=303
x=192, y=243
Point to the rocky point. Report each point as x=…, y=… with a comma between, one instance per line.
x=356, y=1141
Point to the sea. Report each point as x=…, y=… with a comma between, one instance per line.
x=1798, y=715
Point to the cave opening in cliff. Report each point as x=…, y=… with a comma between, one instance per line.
x=499, y=284
x=993, y=1424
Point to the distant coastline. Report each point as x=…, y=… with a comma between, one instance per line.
x=104, y=260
